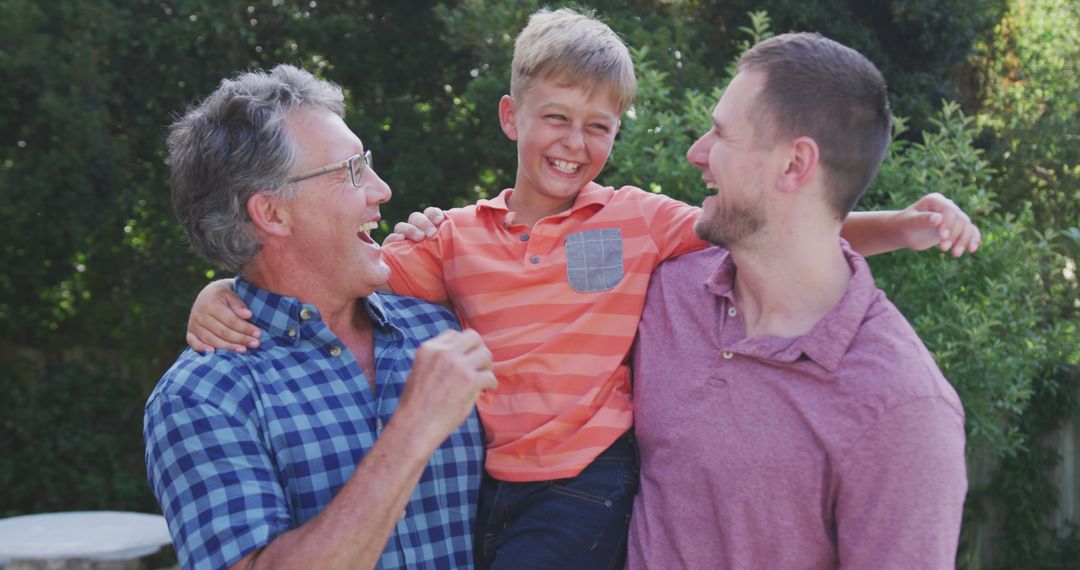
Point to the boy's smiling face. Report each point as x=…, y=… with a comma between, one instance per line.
x=563, y=136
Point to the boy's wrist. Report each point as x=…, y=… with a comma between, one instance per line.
x=896, y=230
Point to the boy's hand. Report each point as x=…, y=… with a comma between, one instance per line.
x=936, y=220
x=421, y=225
x=219, y=320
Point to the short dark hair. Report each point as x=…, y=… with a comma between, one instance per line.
x=816, y=87
x=232, y=145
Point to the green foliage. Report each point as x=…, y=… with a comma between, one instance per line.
x=1032, y=111
x=921, y=46
x=1030, y=117
x=991, y=322
x=981, y=304
x=656, y=132
x=98, y=276
x=70, y=426
x=96, y=269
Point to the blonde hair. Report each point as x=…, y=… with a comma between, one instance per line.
x=577, y=50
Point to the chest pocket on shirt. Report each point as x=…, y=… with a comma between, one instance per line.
x=594, y=260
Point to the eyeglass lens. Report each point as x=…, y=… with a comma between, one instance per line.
x=358, y=168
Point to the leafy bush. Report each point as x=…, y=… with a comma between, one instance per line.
x=98, y=278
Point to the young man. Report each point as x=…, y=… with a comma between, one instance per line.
x=788, y=415
x=552, y=274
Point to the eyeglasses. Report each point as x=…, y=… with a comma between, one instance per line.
x=358, y=164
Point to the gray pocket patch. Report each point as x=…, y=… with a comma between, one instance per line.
x=594, y=260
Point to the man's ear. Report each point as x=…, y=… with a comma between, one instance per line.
x=508, y=117
x=268, y=214
x=802, y=163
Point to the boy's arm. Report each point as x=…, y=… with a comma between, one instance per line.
x=931, y=220
x=219, y=320
x=417, y=267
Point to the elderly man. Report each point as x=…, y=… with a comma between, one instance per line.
x=349, y=438
x=787, y=414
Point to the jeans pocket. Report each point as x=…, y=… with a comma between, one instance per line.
x=607, y=482
x=594, y=260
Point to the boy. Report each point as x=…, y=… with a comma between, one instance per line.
x=552, y=273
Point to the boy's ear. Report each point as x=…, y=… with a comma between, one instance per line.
x=801, y=163
x=268, y=214
x=508, y=117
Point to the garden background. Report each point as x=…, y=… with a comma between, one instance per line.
x=97, y=276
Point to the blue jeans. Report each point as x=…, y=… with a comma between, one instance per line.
x=579, y=522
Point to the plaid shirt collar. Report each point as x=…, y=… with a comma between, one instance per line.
x=278, y=314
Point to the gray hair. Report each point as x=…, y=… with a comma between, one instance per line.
x=232, y=145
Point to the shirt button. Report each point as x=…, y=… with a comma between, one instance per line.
x=403, y=513
x=378, y=423
x=727, y=355
x=292, y=332
x=732, y=312
x=524, y=237
x=305, y=313
x=335, y=351
x=535, y=259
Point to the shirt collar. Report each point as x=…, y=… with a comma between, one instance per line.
x=592, y=194
x=829, y=339
x=278, y=314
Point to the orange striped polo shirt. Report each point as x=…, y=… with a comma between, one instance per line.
x=558, y=305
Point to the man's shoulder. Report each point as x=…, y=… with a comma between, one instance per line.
x=211, y=377
x=679, y=284
x=890, y=350
x=701, y=263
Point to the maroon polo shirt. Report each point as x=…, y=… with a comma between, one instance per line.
x=841, y=447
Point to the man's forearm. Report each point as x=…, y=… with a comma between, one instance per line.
x=353, y=529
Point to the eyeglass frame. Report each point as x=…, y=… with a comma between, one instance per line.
x=345, y=164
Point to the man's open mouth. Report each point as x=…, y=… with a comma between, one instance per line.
x=364, y=233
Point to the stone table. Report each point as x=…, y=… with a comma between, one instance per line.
x=98, y=540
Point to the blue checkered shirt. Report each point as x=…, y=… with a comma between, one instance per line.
x=242, y=448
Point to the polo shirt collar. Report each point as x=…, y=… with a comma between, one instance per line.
x=829, y=339
x=278, y=314
x=592, y=194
